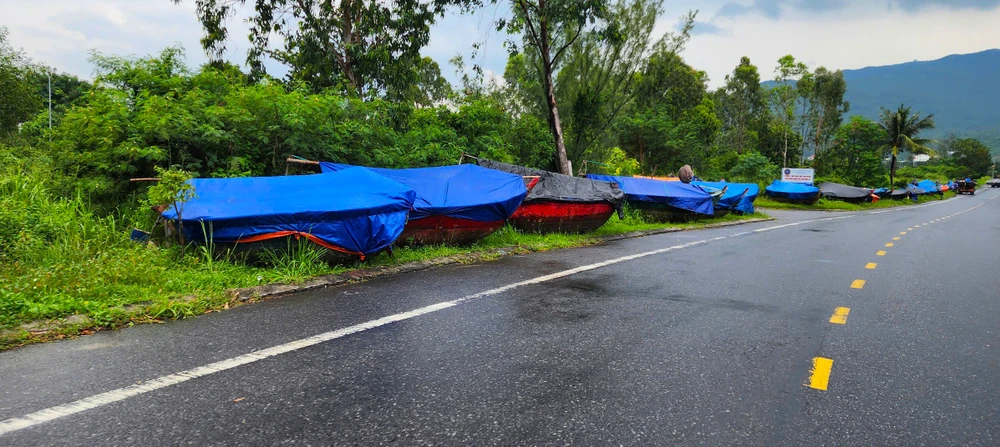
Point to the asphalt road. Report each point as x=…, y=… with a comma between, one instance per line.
x=712, y=337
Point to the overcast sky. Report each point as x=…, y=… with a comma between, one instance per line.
x=834, y=33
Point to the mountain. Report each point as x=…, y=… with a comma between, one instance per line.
x=961, y=90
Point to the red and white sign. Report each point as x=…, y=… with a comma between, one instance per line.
x=798, y=175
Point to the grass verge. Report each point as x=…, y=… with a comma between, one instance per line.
x=837, y=205
x=76, y=287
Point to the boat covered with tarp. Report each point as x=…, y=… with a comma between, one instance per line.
x=456, y=204
x=561, y=203
x=353, y=212
x=663, y=201
x=894, y=194
x=929, y=186
x=736, y=198
x=846, y=193
x=790, y=192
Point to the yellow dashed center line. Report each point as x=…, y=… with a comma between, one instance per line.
x=909, y=229
x=890, y=244
x=858, y=284
x=819, y=376
x=916, y=226
x=880, y=253
x=840, y=315
x=895, y=238
x=871, y=266
x=902, y=232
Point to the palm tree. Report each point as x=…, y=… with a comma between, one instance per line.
x=902, y=128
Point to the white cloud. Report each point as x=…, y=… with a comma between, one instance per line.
x=858, y=33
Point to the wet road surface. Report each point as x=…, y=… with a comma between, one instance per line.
x=820, y=328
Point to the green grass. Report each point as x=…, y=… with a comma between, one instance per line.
x=98, y=272
x=59, y=258
x=837, y=205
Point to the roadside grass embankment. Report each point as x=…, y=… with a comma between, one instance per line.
x=837, y=205
x=65, y=270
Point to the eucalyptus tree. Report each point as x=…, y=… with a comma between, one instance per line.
x=784, y=96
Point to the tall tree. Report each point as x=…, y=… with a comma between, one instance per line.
x=783, y=97
x=549, y=28
x=972, y=155
x=902, y=128
x=366, y=47
x=743, y=106
x=18, y=99
x=600, y=78
x=827, y=105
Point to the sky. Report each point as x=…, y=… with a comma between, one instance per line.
x=837, y=34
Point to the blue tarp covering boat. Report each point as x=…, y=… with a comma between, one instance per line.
x=738, y=197
x=354, y=211
x=675, y=194
x=460, y=191
x=929, y=186
x=792, y=192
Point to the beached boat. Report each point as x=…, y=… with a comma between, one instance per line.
x=845, y=193
x=246, y=215
x=458, y=204
x=663, y=201
x=930, y=187
x=561, y=203
x=894, y=194
x=789, y=192
x=737, y=198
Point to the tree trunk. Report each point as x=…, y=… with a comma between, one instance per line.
x=892, y=171
x=550, y=96
x=347, y=39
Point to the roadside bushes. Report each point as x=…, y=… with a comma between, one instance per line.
x=154, y=111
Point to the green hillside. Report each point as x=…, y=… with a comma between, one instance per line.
x=961, y=90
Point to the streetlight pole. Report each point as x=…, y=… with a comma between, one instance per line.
x=50, y=103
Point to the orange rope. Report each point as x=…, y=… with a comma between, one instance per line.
x=297, y=234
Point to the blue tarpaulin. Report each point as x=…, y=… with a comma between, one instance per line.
x=929, y=186
x=792, y=191
x=460, y=191
x=676, y=194
x=355, y=210
x=739, y=197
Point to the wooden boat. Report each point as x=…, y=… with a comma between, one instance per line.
x=560, y=203
x=458, y=204
x=247, y=216
x=561, y=217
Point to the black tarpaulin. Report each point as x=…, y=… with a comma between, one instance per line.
x=839, y=191
x=560, y=187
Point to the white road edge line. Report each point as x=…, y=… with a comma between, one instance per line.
x=108, y=397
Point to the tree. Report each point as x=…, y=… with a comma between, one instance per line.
x=973, y=156
x=18, y=100
x=549, y=28
x=783, y=97
x=430, y=87
x=826, y=105
x=902, y=128
x=854, y=155
x=363, y=47
x=742, y=107
x=600, y=77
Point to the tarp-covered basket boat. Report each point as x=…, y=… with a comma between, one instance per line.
x=737, y=198
x=846, y=193
x=789, y=192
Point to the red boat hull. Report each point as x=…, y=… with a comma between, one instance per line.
x=565, y=217
x=437, y=230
